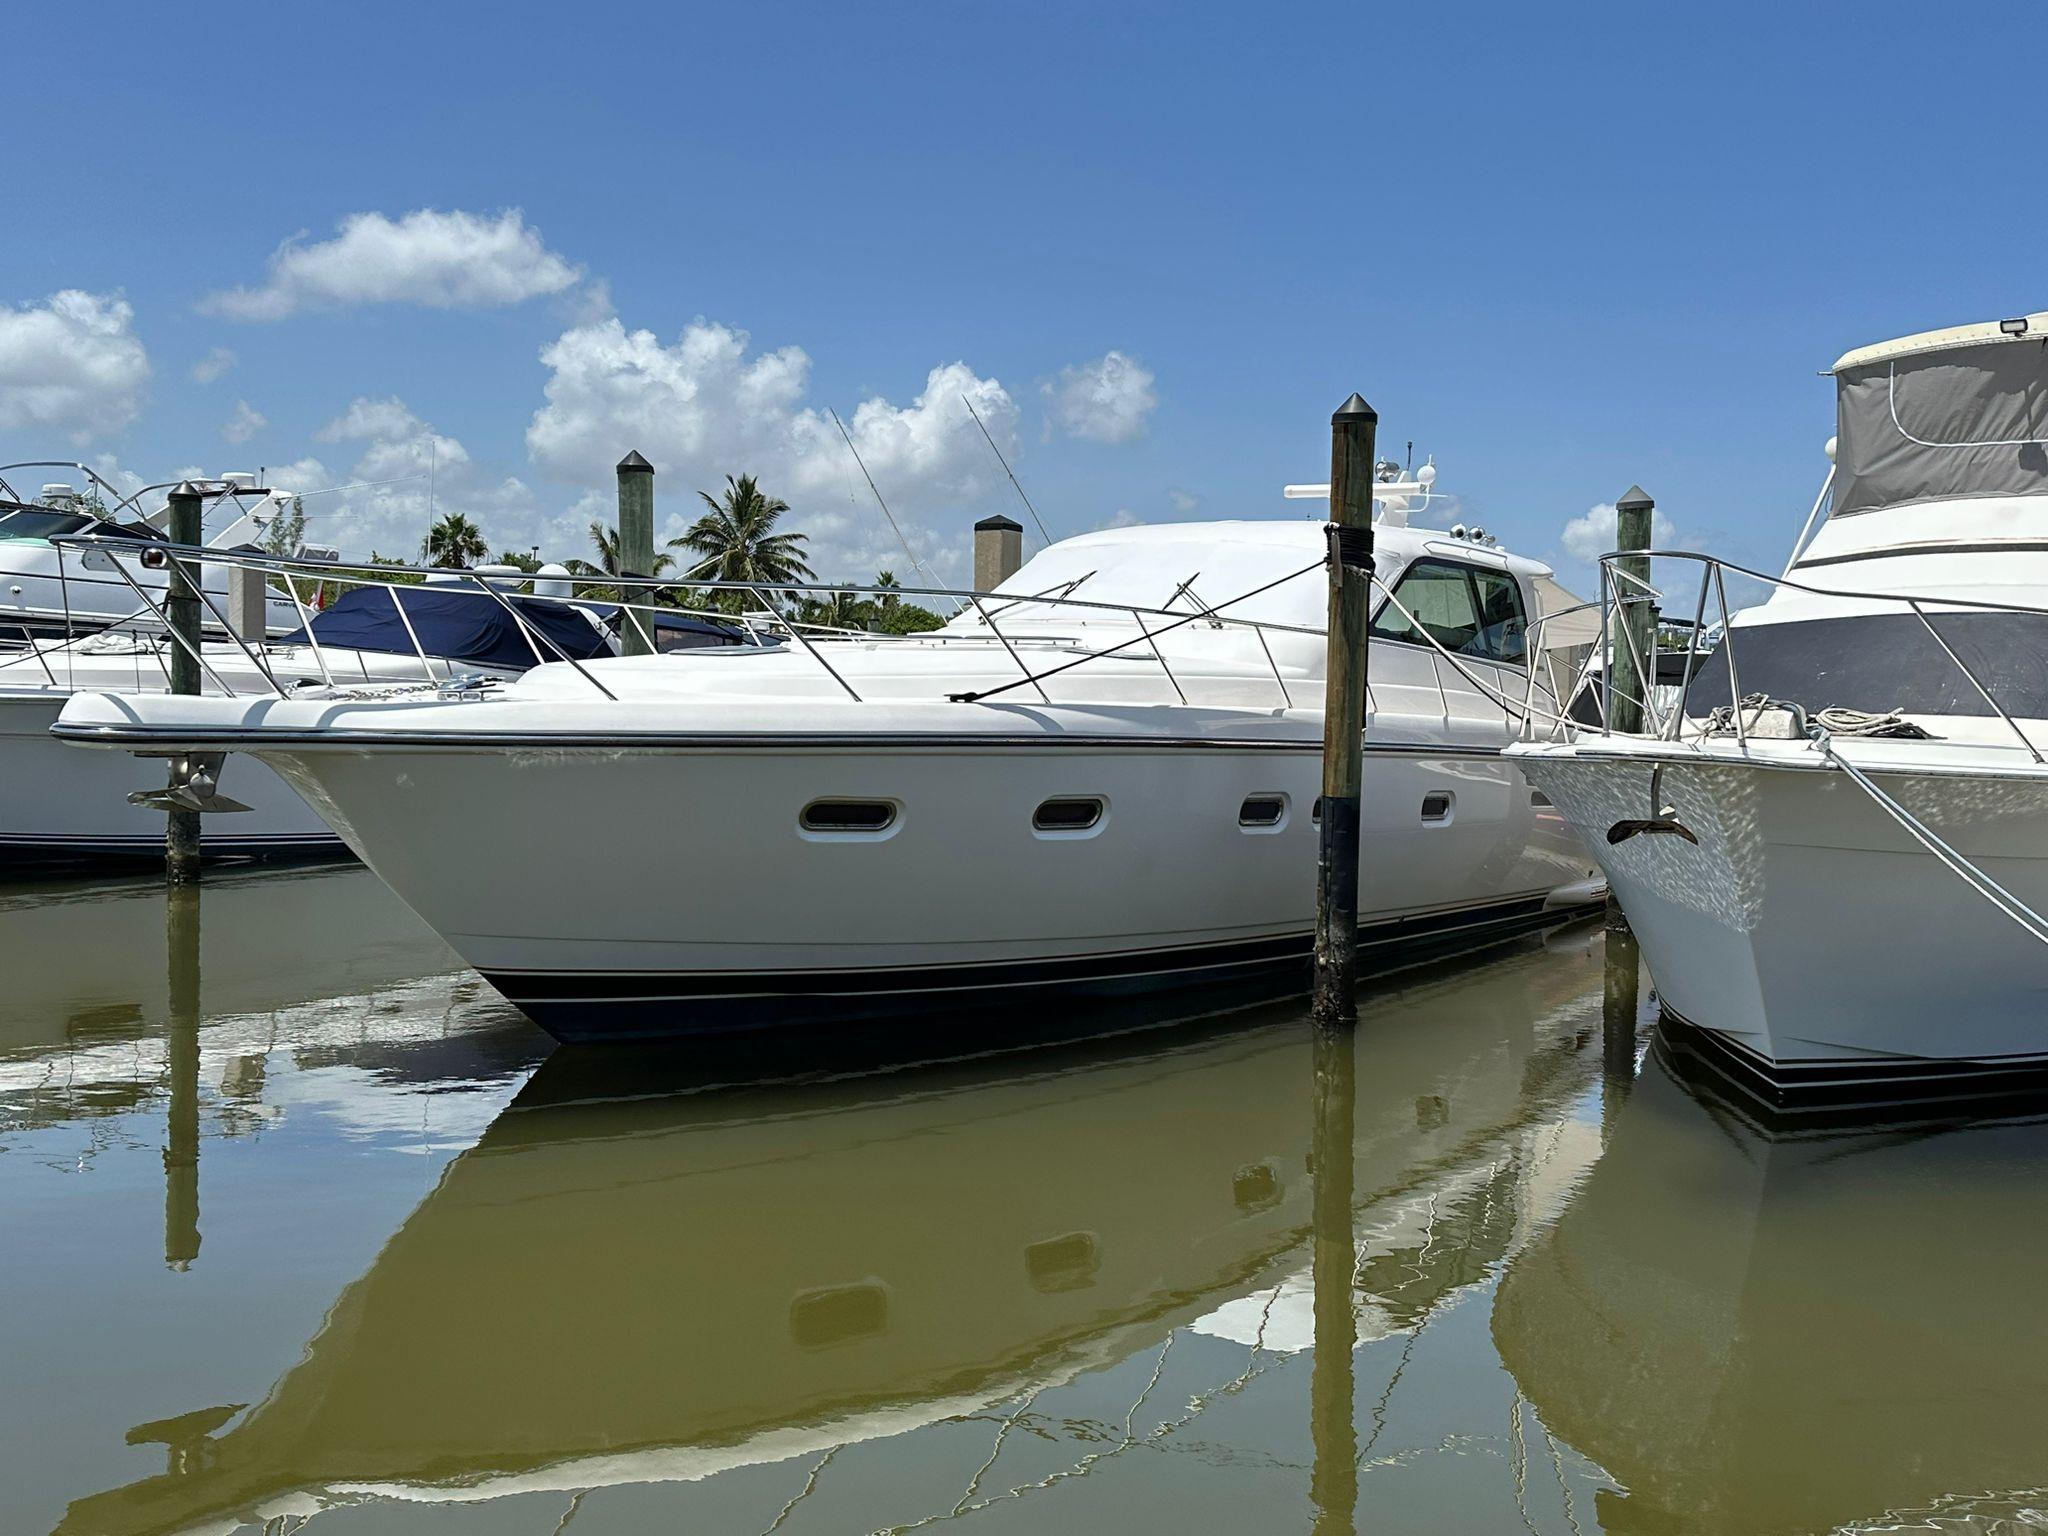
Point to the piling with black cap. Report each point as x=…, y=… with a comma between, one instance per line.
x=1637, y=618
x=636, y=549
x=181, y=610
x=1352, y=432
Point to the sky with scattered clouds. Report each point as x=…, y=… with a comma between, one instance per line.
x=1150, y=246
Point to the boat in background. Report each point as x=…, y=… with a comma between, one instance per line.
x=1099, y=778
x=1835, y=853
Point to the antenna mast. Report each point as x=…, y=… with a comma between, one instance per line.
x=992, y=448
x=915, y=563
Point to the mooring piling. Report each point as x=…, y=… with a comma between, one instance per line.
x=636, y=550
x=1352, y=430
x=1636, y=635
x=181, y=612
x=1620, y=998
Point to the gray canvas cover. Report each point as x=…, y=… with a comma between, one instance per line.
x=1968, y=421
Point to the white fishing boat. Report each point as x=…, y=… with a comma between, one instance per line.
x=1099, y=777
x=1841, y=882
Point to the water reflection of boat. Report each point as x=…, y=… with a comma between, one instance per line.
x=1774, y=1333
x=660, y=1285
x=321, y=960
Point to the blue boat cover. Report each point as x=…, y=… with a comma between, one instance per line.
x=460, y=626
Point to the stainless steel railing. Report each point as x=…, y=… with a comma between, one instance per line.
x=1621, y=589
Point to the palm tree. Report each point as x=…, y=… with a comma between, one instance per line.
x=886, y=580
x=453, y=542
x=737, y=540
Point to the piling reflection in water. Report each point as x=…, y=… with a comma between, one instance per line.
x=1760, y=1330
x=181, y=1028
x=1335, y=1487
x=629, y=1281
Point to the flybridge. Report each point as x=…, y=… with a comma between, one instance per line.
x=1943, y=415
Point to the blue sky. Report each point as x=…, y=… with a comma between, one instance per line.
x=1561, y=249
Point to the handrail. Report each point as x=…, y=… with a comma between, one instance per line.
x=1715, y=569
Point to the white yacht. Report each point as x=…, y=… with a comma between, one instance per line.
x=63, y=807
x=1099, y=777
x=55, y=585
x=1841, y=882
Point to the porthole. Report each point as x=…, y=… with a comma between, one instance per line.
x=1437, y=806
x=848, y=818
x=1068, y=814
x=1315, y=814
x=1262, y=813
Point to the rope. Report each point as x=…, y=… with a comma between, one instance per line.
x=1837, y=721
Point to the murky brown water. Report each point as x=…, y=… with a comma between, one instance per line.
x=304, y=1227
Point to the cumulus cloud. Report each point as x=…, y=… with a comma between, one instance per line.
x=1182, y=501
x=71, y=365
x=243, y=423
x=707, y=405
x=1589, y=536
x=404, y=475
x=451, y=260
x=1106, y=401
x=213, y=365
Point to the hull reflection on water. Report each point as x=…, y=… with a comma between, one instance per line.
x=1758, y=1332
x=663, y=1284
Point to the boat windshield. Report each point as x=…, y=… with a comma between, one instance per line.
x=41, y=522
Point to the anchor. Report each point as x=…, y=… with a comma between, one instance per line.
x=194, y=786
x=1662, y=819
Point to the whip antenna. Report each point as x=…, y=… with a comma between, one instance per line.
x=992, y=448
x=915, y=563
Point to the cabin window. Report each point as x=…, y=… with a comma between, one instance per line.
x=1262, y=813
x=1437, y=806
x=868, y=818
x=1315, y=812
x=1466, y=610
x=1069, y=814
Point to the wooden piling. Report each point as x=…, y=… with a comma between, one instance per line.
x=1352, y=430
x=1620, y=999
x=181, y=610
x=636, y=549
x=1636, y=634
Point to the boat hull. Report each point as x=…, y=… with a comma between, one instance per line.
x=624, y=892
x=1817, y=944
x=61, y=807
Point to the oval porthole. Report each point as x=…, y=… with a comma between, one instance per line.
x=1262, y=813
x=1068, y=814
x=1436, y=807
x=1315, y=814
x=865, y=818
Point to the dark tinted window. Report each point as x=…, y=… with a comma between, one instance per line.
x=41, y=523
x=1076, y=814
x=848, y=816
x=1466, y=610
x=1261, y=811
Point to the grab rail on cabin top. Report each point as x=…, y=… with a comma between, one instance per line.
x=1670, y=727
x=292, y=570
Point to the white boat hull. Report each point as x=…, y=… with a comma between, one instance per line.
x=719, y=911
x=60, y=806
x=1806, y=930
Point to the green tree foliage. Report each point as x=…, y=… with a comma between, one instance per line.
x=454, y=542
x=735, y=540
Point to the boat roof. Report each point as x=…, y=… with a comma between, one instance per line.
x=1949, y=337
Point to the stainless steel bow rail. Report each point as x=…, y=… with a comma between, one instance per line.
x=303, y=580
x=1619, y=587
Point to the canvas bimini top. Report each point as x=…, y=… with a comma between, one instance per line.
x=1944, y=414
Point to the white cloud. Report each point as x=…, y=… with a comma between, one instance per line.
x=1589, y=536
x=706, y=406
x=243, y=423
x=1123, y=517
x=452, y=260
x=1106, y=401
x=1182, y=501
x=405, y=474
x=71, y=365
x=213, y=365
